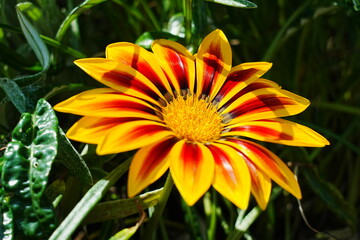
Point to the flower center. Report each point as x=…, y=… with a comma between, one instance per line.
x=193, y=119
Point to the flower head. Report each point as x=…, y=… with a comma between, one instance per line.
x=192, y=114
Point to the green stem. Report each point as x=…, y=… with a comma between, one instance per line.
x=241, y=228
x=243, y=223
x=188, y=20
x=94, y=195
x=154, y=220
x=277, y=40
x=151, y=15
x=212, y=226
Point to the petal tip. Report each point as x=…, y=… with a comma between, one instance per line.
x=132, y=191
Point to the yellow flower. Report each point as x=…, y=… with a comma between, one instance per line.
x=191, y=114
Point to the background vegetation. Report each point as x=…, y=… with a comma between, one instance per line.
x=315, y=48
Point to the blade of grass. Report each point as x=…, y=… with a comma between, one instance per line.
x=76, y=12
x=75, y=217
x=154, y=220
x=270, y=53
x=50, y=41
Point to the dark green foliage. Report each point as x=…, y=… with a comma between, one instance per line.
x=28, y=159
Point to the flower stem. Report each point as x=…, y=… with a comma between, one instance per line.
x=154, y=220
x=241, y=228
x=188, y=19
x=212, y=226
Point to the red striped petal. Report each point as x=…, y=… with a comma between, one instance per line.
x=232, y=178
x=121, y=77
x=260, y=185
x=240, y=77
x=192, y=168
x=268, y=163
x=177, y=63
x=265, y=103
x=92, y=129
x=106, y=102
x=148, y=165
x=141, y=60
x=132, y=135
x=278, y=131
x=213, y=63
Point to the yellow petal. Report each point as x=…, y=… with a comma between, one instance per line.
x=92, y=129
x=141, y=60
x=265, y=103
x=278, y=131
x=232, y=177
x=213, y=63
x=148, y=165
x=132, y=135
x=177, y=62
x=192, y=168
x=260, y=185
x=120, y=77
x=107, y=102
x=268, y=163
x=239, y=77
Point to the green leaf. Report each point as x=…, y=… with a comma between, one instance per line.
x=176, y=26
x=87, y=4
x=52, y=42
x=6, y=218
x=14, y=93
x=32, y=11
x=72, y=160
x=126, y=233
x=235, y=3
x=28, y=160
x=331, y=196
x=111, y=210
x=147, y=38
x=33, y=38
x=84, y=206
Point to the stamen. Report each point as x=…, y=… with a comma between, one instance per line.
x=193, y=119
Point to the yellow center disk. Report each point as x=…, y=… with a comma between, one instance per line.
x=193, y=119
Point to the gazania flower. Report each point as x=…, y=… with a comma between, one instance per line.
x=192, y=114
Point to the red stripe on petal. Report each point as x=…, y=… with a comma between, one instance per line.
x=132, y=135
x=191, y=155
x=148, y=165
x=145, y=130
x=123, y=105
x=264, y=131
x=192, y=168
x=260, y=185
x=111, y=122
x=251, y=87
x=144, y=68
x=155, y=156
x=263, y=155
x=212, y=67
x=262, y=103
x=221, y=159
x=178, y=66
x=139, y=59
x=234, y=79
x=126, y=81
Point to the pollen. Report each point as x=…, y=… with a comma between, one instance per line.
x=193, y=119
